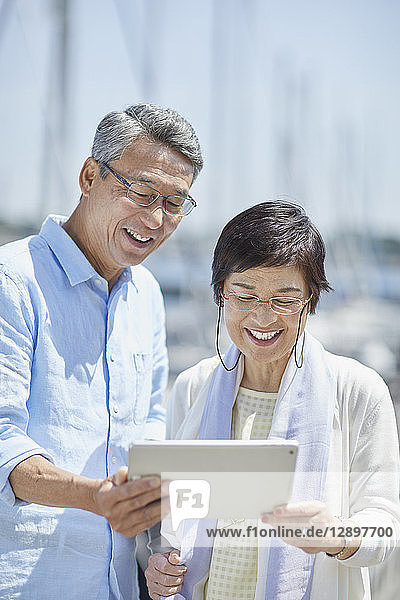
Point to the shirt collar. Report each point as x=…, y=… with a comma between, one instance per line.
x=74, y=263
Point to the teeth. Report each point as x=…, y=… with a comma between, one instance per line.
x=266, y=335
x=136, y=236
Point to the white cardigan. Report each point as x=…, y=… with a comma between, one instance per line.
x=363, y=468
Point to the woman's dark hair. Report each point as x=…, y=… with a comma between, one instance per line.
x=271, y=234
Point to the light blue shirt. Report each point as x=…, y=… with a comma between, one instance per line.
x=82, y=373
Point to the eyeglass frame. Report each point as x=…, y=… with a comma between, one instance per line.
x=128, y=184
x=303, y=303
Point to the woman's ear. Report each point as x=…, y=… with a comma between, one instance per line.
x=220, y=298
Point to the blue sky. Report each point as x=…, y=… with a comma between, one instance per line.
x=288, y=98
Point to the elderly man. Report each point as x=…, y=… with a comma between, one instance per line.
x=83, y=365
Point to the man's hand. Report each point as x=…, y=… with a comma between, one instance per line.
x=129, y=506
x=163, y=575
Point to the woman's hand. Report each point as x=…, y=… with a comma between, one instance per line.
x=312, y=527
x=163, y=574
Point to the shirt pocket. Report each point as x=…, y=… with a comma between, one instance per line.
x=143, y=368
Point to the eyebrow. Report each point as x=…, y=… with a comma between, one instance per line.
x=283, y=290
x=143, y=179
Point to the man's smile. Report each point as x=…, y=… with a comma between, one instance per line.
x=136, y=236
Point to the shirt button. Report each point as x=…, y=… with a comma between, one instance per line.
x=115, y=409
x=114, y=460
x=112, y=357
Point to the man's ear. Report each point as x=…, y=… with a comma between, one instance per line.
x=88, y=174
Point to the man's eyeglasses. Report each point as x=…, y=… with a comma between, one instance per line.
x=145, y=195
x=282, y=305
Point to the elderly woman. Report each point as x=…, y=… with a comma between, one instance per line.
x=277, y=381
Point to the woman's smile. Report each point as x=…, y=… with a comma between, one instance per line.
x=263, y=338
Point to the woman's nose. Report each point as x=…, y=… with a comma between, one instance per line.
x=265, y=312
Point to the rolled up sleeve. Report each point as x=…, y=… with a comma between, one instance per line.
x=16, y=353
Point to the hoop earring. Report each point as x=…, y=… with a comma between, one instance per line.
x=299, y=364
x=217, y=343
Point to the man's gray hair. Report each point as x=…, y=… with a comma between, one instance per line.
x=118, y=130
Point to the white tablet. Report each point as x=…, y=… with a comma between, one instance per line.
x=230, y=478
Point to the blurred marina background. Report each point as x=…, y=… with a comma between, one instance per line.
x=292, y=98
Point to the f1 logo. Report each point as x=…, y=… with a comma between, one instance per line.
x=189, y=499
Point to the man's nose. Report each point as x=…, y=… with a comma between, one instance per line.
x=153, y=216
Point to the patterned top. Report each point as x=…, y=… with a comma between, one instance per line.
x=233, y=569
